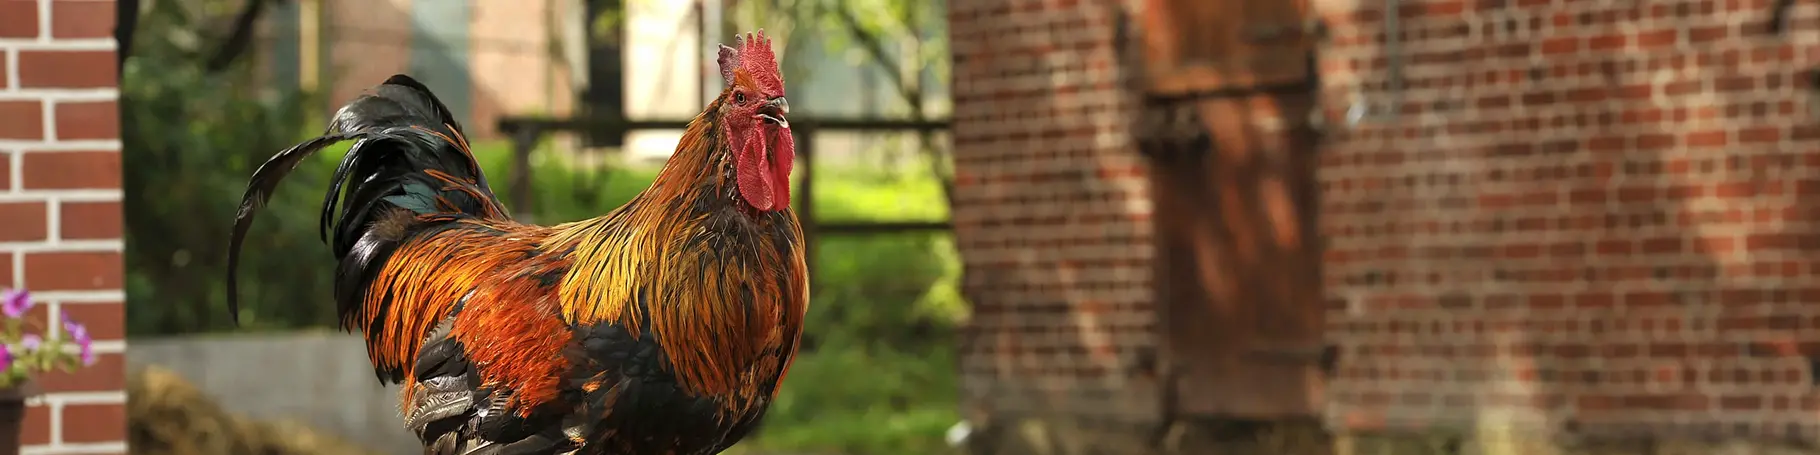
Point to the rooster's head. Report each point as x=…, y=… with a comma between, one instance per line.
x=752, y=114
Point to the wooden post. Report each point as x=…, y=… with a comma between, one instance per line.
x=524, y=140
x=805, y=190
x=709, y=31
x=309, y=44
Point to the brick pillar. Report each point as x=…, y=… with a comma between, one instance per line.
x=1588, y=215
x=1051, y=211
x=60, y=215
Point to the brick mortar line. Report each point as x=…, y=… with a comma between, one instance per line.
x=1478, y=230
x=103, y=347
x=54, y=321
x=82, y=448
x=1364, y=162
x=1469, y=167
x=72, y=246
x=53, y=214
x=79, y=95
x=56, y=420
x=67, y=44
x=49, y=112
x=1570, y=108
x=11, y=78
x=84, y=145
x=64, y=195
x=16, y=175
x=83, y=297
x=1416, y=166
x=109, y=397
x=44, y=22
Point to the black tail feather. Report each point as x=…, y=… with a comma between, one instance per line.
x=409, y=153
x=258, y=193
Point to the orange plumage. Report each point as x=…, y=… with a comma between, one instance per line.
x=661, y=328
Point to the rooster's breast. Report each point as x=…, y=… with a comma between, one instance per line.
x=635, y=404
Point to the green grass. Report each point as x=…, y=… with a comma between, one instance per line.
x=851, y=401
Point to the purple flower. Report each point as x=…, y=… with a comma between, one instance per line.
x=80, y=334
x=30, y=342
x=6, y=357
x=15, y=302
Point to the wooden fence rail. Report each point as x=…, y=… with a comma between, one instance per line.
x=526, y=132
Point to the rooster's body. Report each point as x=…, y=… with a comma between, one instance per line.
x=661, y=328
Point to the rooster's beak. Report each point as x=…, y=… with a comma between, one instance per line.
x=774, y=111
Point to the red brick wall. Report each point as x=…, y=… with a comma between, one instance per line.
x=60, y=217
x=1588, y=215
x=1050, y=212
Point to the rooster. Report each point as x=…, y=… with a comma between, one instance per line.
x=660, y=328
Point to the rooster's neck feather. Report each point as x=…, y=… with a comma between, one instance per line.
x=698, y=168
x=717, y=287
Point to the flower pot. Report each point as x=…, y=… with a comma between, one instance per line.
x=12, y=416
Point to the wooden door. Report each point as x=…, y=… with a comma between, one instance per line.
x=1235, y=202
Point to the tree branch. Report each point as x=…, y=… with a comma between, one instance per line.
x=911, y=91
x=876, y=47
x=240, y=39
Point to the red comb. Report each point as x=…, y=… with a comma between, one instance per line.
x=755, y=47
x=754, y=55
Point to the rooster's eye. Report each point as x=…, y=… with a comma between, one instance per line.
x=739, y=97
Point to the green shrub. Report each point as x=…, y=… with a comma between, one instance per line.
x=189, y=147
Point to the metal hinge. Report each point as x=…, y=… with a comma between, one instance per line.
x=1168, y=130
x=1311, y=28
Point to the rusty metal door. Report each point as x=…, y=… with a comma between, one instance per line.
x=1235, y=202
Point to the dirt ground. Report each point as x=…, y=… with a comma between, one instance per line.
x=168, y=416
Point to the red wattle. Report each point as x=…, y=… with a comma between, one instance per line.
x=754, y=185
x=783, y=156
